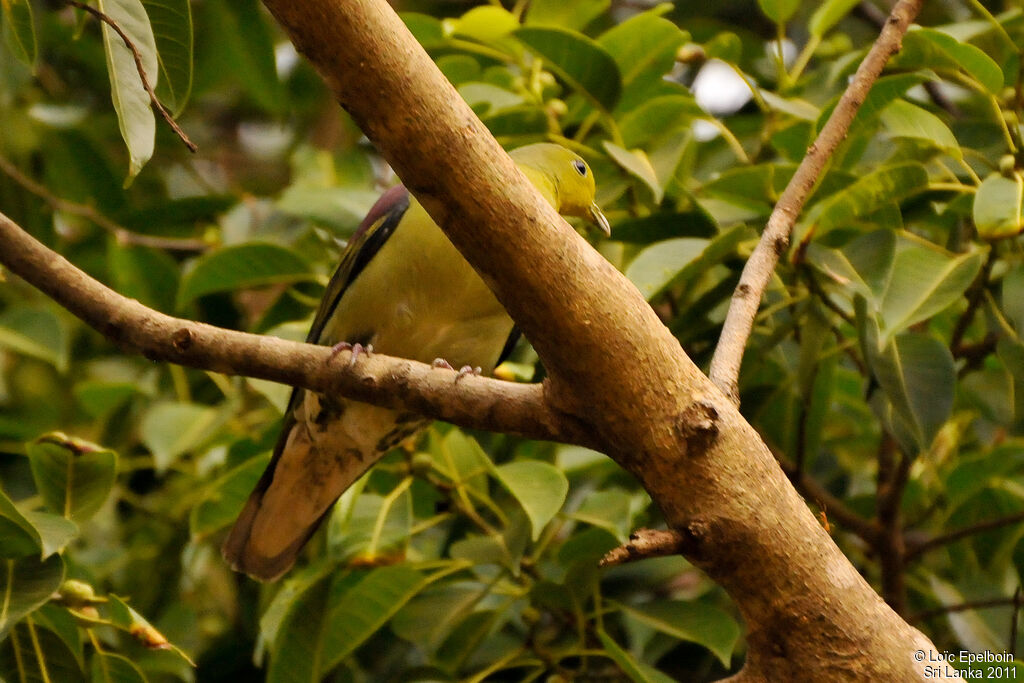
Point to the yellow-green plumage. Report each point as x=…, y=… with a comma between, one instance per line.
x=402, y=287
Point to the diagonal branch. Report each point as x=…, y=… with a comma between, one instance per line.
x=915, y=550
x=739, y=321
x=475, y=402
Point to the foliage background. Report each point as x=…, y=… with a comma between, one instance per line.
x=885, y=367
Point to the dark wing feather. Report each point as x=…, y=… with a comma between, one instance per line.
x=367, y=240
x=510, y=345
x=371, y=235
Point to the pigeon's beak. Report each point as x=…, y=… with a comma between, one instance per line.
x=597, y=217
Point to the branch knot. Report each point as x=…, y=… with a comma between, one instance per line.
x=698, y=425
x=182, y=339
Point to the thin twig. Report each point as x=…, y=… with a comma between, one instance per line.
x=109, y=21
x=644, y=543
x=122, y=234
x=918, y=549
x=725, y=365
x=962, y=607
x=893, y=474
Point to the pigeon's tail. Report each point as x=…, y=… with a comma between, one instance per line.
x=294, y=495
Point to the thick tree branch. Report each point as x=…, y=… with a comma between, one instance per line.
x=739, y=321
x=476, y=402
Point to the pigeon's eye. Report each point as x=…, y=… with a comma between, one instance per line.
x=580, y=167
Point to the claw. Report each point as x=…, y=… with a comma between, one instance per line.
x=357, y=349
x=468, y=370
x=441, y=363
x=463, y=371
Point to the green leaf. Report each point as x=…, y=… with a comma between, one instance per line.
x=467, y=637
x=999, y=206
x=779, y=11
x=20, y=31
x=429, y=618
x=905, y=281
x=459, y=68
x=60, y=622
x=131, y=101
x=99, y=398
x=885, y=91
x=865, y=196
x=37, y=333
x=574, y=14
x=108, y=667
x=925, y=48
x=247, y=46
x=698, y=623
x=460, y=458
x=539, y=487
x=828, y=15
x=427, y=30
x=170, y=429
x=29, y=582
x=906, y=120
x=644, y=50
x=1013, y=298
x=658, y=266
x=125, y=618
x=73, y=476
x=611, y=510
x=657, y=117
x=638, y=672
x=925, y=280
x=32, y=653
x=487, y=24
x=18, y=536
x=297, y=652
x=172, y=30
x=288, y=601
x=918, y=376
x=861, y=267
x=225, y=496
x=339, y=207
x=481, y=550
x=247, y=265
x=55, y=532
x=486, y=98
x=582, y=63
x=362, y=610
x=636, y=163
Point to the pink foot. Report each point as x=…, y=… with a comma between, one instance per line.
x=356, y=349
x=463, y=371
